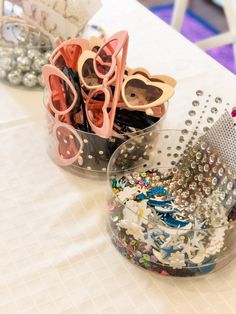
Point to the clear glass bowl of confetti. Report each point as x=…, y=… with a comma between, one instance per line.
x=23, y=52
x=171, y=206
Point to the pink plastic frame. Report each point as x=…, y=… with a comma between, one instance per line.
x=58, y=157
x=108, y=118
x=64, y=48
x=47, y=71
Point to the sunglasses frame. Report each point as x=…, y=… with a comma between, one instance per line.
x=121, y=37
x=62, y=161
x=95, y=42
x=86, y=55
x=49, y=70
x=163, y=78
x=167, y=90
x=106, y=130
x=61, y=50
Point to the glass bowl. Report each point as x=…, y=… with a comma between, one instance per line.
x=23, y=52
x=89, y=154
x=171, y=206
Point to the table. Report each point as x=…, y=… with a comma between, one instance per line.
x=56, y=256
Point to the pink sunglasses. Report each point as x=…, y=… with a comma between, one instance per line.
x=58, y=85
x=68, y=52
x=69, y=144
x=105, y=64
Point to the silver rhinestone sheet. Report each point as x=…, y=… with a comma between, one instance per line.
x=222, y=137
x=204, y=183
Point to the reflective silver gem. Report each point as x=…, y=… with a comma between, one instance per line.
x=214, y=181
x=221, y=172
x=214, y=169
x=195, y=103
x=218, y=161
x=200, y=177
x=187, y=173
x=206, y=129
x=23, y=63
x=19, y=51
x=212, y=159
x=218, y=100
x=199, y=92
x=33, y=53
x=7, y=63
x=230, y=186
x=188, y=122
x=38, y=63
x=47, y=55
x=222, y=195
x=229, y=201
x=14, y=77
x=192, y=113
x=200, y=168
x=30, y=79
x=210, y=120
x=198, y=156
x=40, y=80
x=206, y=168
x=214, y=110
x=208, y=191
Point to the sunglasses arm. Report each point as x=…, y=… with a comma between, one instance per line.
x=120, y=74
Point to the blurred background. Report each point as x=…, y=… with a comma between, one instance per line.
x=202, y=19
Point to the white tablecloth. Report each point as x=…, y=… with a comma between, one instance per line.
x=56, y=256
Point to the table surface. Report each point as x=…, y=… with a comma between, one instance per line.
x=56, y=256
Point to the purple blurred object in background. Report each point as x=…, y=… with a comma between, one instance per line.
x=195, y=28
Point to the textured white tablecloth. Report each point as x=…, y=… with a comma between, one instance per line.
x=56, y=256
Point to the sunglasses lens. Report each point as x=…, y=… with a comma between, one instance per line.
x=95, y=113
x=89, y=75
x=69, y=145
x=60, y=62
x=95, y=49
x=61, y=94
x=137, y=93
x=73, y=51
x=68, y=56
x=104, y=57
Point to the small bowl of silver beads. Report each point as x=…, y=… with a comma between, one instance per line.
x=23, y=52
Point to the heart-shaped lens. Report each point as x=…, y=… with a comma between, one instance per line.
x=104, y=57
x=67, y=56
x=89, y=75
x=69, y=145
x=137, y=93
x=62, y=97
x=95, y=114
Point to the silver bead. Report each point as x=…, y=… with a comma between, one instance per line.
x=30, y=79
x=3, y=73
x=23, y=63
x=33, y=53
x=14, y=77
x=7, y=63
x=47, y=55
x=19, y=51
x=40, y=80
x=39, y=63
